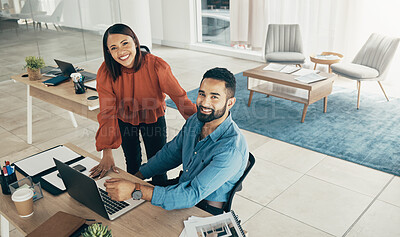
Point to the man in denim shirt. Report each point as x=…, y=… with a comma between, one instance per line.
x=210, y=147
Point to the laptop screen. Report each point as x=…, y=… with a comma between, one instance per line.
x=66, y=68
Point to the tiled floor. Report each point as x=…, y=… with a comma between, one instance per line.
x=291, y=191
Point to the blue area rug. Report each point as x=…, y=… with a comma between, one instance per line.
x=369, y=136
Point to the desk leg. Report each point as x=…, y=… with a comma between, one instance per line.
x=74, y=123
x=5, y=227
x=29, y=115
x=325, y=103
x=304, y=113
x=250, y=98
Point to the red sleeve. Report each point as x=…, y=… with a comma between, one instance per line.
x=170, y=86
x=108, y=135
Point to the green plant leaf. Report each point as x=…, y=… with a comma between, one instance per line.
x=34, y=63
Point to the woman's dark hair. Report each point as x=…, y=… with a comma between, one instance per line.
x=114, y=67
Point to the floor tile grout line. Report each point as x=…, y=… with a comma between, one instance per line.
x=388, y=203
x=290, y=185
x=326, y=156
x=367, y=208
x=343, y=186
x=251, y=216
x=298, y=220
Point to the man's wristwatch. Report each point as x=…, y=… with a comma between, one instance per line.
x=137, y=193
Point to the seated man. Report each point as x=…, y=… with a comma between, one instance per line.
x=210, y=146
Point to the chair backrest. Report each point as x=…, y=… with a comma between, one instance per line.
x=377, y=52
x=30, y=6
x=283, y=38
x=56, y=16
x=238, y=186
x=145, y=48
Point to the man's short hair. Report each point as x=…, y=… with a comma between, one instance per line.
x=222, y=74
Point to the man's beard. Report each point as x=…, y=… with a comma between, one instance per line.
x=205, y=118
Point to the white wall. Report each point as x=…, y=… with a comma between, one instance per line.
x=136, y=14
x=98, y=15
x=177, y=23
x=156, y=19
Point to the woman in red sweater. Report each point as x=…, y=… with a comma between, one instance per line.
x=132, y=85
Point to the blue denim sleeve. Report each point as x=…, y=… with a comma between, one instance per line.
x=222, y=168
x=169, y=157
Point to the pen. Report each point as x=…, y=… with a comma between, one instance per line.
x=8, y=167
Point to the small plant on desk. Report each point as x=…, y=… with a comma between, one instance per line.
x=33, y=66
x=97, y=230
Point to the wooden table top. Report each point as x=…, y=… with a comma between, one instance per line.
x=144, y=220
x=286, y=79
x=63, y=95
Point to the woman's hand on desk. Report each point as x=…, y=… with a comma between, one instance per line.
x=106, y=163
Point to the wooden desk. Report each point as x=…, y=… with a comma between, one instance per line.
x=144, y=220
x=284, y=86
x=62, y=95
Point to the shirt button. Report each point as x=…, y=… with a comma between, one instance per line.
x=187, y=170
x=195, y=152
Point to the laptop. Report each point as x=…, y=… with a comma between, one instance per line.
x=92, y=193
x=68, y=68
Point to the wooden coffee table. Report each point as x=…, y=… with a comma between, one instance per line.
x=284, y=86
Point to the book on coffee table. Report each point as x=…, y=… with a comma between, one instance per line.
x=310, y=78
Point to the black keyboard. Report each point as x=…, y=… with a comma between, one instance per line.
x=111, y=205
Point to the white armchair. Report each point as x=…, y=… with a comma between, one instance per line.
x=53, y=18
x=284, y=44
x=371, y=63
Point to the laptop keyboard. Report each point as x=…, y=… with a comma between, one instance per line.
x=111, y=205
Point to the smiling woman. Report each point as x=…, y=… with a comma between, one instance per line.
x=132, y=85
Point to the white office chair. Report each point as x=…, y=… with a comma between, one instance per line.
x=54, y=18
x=371, y=63
x=30, y=8
x=284, y=44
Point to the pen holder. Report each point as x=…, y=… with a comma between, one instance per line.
x=27, y=183
x=6, y=181
x=79, y=87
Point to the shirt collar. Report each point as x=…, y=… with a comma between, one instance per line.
x=219, y=130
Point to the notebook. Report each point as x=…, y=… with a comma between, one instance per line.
x=55, y=80
x=68, y=68
x=92, y=193
x=60, y=224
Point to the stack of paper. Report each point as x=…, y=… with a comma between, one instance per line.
x=310, y=78
x=274, y=67
x=281, y=68
x=225, y=224
x=327, y=57
x=304, y=71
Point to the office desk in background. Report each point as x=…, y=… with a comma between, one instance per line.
x=144, y=220
x=62, y=95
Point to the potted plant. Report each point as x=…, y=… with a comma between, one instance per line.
x=33, y=66
x=97, y=230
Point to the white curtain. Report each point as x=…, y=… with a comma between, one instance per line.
x=342, y=26
x=248, y=22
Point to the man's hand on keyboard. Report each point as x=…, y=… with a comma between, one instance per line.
x=119, y=189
